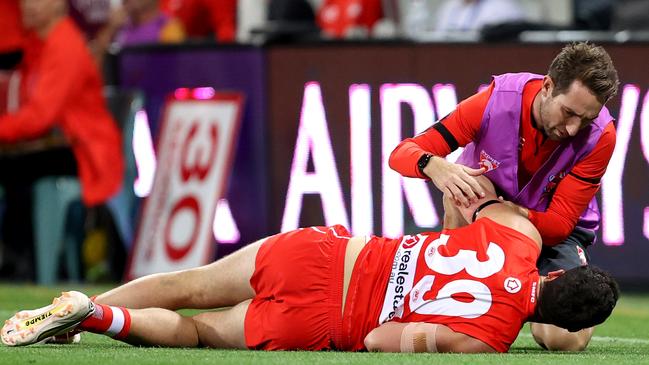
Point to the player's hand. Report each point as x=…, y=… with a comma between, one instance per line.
x=521, y=210
x=458, y=181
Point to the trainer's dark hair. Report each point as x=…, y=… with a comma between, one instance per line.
x=587, y=63
x=581, y=298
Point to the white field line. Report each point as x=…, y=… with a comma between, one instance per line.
x=606, y=339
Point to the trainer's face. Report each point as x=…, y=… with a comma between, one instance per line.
x=563, y=115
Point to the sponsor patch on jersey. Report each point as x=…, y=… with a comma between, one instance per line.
x=582, y=255
x=409, y=241
x=512, y=285
x=402, y=276
x=431, y=251
x=487, y=162
x=553, y=181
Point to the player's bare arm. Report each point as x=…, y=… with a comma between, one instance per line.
x=422, y=337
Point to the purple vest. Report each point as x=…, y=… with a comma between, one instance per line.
x=149, y=32
x=497, y=144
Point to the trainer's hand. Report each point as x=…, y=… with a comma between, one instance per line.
x=458, y=181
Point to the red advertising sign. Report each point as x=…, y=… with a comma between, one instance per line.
x=195, y=150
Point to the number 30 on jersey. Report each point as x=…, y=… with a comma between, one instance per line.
x=444, y=303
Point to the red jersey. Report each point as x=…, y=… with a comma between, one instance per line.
x=479, y=280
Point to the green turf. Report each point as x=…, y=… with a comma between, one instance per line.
x=623, y=339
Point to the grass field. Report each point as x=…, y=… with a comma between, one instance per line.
x=623, y=339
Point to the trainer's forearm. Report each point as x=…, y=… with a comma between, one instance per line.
x=403, y=159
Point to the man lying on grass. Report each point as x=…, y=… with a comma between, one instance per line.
x=466, y=289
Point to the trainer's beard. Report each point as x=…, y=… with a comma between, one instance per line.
x=541, y=125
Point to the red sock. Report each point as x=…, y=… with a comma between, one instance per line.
x=112, y=321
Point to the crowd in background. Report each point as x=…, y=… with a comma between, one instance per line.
x=68, y=133
x=129, y=22
x=107, y=23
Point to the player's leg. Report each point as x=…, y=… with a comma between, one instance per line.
x=222, y=329
x=223, y=283
x=156, y=327
x=567, y=255
x=297, y=298
x=149, y=326
x=162, y=327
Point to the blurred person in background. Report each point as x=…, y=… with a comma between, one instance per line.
x=349, y=18
x=473, y=15
x=144, y=22
x=594, y=14
x=214, y=19
x=138, y=22
x=287, y=21
x=11, y=52
x=12, y=34
x=61, y=127
x=630, y=15
x=90, y=16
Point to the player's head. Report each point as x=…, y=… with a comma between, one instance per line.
x=581, y=79
x=579, y=298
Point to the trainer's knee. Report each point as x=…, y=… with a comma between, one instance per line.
x=555, y=338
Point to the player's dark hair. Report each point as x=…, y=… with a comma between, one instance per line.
x=587, y=63
x=581, y=298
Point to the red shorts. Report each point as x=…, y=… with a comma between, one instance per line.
x=298, y=283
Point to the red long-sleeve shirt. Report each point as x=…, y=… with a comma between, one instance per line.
x=202, y=17
x=12, y=30
x=61, y=87
x=571, y=196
